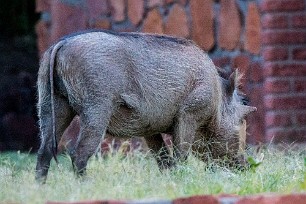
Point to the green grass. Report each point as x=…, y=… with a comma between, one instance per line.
x=138, y=177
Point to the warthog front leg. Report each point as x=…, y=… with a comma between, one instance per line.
x=160, y=151
x=184, y=133
x=194, y=113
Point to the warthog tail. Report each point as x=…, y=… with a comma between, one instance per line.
x=52, y=60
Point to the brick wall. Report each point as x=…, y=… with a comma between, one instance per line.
x=284, y=54
x=265, y=39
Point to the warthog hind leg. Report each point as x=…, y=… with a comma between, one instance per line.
x=63, y=117
x=93, y=122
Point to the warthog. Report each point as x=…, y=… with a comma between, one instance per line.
x=133, y=84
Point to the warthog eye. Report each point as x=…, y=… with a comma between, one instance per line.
x=245, y=100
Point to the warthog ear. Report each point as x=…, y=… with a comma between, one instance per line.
x=244, y=110
x=234, y=82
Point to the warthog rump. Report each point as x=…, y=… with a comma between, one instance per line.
x=133, y=84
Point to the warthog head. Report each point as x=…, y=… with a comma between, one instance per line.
x=225, y=138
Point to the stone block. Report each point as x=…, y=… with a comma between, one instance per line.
x=66, y=19
x=169, y=1
x=97, y=8
x=183, y=2
x=43, y=36
x=135, y=11
x=154, y=3
x=117, y=10
x=153, y=23
x=229, y=25
x=253, y=28
x=202, y=23
x=177, y=22
x=101, y=23
x=42, y=6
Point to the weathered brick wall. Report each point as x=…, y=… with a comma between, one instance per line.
x=233, y=32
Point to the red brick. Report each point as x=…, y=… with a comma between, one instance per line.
x=204, y=199
x=221, y=61
x=256, y=128
x=177, y=22
x=153, y=23
x=285, y=135
x=255, y=94
x=273, y=198
x=241, y=62
x=135, y=10
x=256, y=120
x=299, y=21
x=271, y=20
x=202, y=23
x=299, y=53
x=277, y=86
x=293, y=198
x=253, y=28
x=256, y=199
x=255, y=72
x=118, y=10
x=277, y=69
x=285, y=103
x=275, y=53
x=282, y=5
x=301, y=118
x=229, y=36
x=42, y=5
x=300, y=86
x=273, y=119
x=283, y=37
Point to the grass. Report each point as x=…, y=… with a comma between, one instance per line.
x=138, y=177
